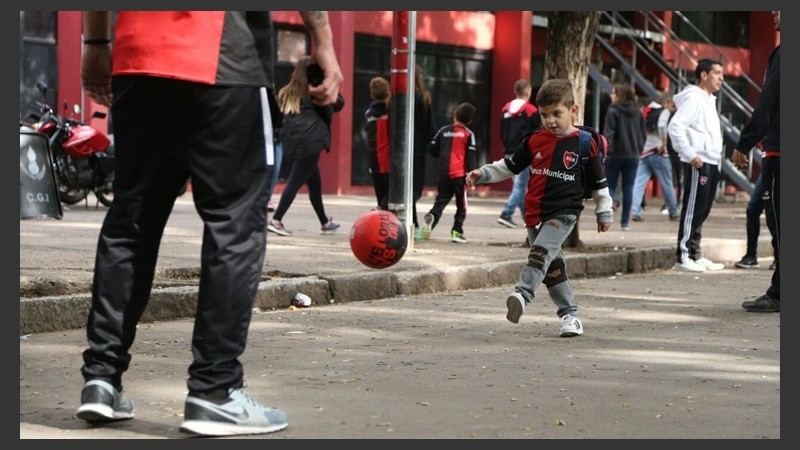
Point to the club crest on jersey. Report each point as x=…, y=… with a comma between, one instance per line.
x=703, y=181
x=570, y=159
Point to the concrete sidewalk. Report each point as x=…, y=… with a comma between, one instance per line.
x=57, y=257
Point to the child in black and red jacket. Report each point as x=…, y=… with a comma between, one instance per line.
x=454, y=147
x=554, y=201
x=378, y=141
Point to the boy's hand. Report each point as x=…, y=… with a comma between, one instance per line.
x=603, y=227
x=473, y=177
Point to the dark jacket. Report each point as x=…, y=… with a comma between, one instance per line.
x=309, y=131
x=517, y=119
x=765, y=123
x=624, y=129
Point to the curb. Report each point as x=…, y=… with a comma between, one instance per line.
x=58, y=313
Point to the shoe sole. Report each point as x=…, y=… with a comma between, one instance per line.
x=328, y=231
x=571, y=333
x=506, y=223
x=209, y=428
x=96, y=412
x=761, y=310
x=514, y=309
x=278, y=232
x=745, y=266
x=684, y=269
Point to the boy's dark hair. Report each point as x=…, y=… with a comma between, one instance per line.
x=705, y=65
x=520, y=86
x=555, y=91
x=465, y=113
x=379, y=89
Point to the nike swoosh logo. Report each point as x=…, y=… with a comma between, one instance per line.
x=237, y=414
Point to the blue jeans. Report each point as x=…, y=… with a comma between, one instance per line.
x=516, y=199
x=276, y=172
x=628, y=168
x=661, y=167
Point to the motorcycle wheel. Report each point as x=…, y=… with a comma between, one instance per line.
x=71, y=196
x=105, y=196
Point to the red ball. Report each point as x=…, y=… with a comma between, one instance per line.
x=378, y=239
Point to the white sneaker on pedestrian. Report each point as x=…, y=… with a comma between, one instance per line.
x=709, y=265
x=570, y=326
x=516, y=307
x=689, y=266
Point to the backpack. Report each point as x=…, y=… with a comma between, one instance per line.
x=585, y=137
x=651, y=116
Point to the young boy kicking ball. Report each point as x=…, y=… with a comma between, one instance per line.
x=559, y=177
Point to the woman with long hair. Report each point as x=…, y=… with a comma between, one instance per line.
x=306, y=133
x=424, y=129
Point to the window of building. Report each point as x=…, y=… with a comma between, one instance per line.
x=723, y=28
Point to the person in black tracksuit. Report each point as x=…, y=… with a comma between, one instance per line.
x=454, y=147
x=765, y=126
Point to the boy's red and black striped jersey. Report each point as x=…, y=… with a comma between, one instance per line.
x=557, y=174
x=378, y=141
x=232, y=48
x=454, y=146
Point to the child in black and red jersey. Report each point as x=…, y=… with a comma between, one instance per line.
x=454, y=146
x=377, y=128
x=554, y=200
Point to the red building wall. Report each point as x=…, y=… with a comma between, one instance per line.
x=509, y=33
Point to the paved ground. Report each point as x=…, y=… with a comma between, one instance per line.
x=422, y=349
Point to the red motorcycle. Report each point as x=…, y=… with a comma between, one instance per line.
x=83, y=156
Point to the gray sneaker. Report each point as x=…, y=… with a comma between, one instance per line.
x=330, y=227
x=236, y=413
x=277, y=227
x=101, y=402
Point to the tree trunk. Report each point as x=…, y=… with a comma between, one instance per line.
x=570, y=37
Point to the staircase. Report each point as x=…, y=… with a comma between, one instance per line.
x=643, y=46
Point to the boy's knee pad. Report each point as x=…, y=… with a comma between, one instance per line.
x=536, y=257
x=556, y=273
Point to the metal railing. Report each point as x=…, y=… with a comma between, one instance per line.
x=640, y=45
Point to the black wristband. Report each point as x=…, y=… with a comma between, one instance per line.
x=96, y=41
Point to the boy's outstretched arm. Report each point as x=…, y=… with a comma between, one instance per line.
x=489, y=173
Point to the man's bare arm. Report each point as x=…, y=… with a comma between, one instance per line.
x=323, y=54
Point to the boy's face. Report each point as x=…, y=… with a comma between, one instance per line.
x=558, y=118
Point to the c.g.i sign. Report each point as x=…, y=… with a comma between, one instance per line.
x=38, y=191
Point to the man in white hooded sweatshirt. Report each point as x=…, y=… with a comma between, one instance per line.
x=697, y=138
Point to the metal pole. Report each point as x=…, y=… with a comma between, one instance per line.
x=400, y=111
x=412, y=65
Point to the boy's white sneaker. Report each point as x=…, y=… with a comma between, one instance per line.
x=516, y=307
x=570, y=326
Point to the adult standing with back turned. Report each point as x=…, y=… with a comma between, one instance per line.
x=188, y=96
x=765, y=126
